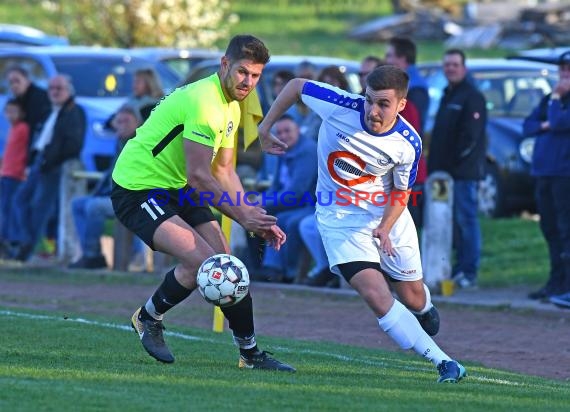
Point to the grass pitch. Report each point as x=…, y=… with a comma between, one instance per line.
x=48, y=362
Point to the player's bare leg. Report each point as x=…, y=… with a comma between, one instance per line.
x=401, y=325
x=416, y=296
x=191, y=246
x=174, y=237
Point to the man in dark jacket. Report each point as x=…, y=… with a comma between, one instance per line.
x=458, y=147
x=34, y=99
x=59, y=139
x=550, y=123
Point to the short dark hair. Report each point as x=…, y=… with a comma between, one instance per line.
x=13, y=101
x=564, y=58
x=18, y=69
x=285, y=75
x=374, y=59
x=404, y=47
x=389, y=77
x=130, y=109
x=246, y=46
x=309, y=68
x=286, y=117
x=460, y=52
x=334, y=72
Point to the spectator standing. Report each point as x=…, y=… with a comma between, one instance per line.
x=550, y=122
x=458, y=147
x=367, y=64
x=60, y=138
x=12, y=170
x=412, y=116
x=90, y=212
x=402, y=53
x=34, y=99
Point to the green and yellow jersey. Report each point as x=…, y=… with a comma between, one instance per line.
x=154, y=158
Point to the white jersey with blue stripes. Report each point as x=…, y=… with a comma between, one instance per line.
x=358, y=169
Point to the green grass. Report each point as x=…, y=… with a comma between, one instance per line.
x=514, y=253
x=51, y=363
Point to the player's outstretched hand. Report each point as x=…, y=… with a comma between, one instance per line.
x=257, y=220
x=274, y=236
x=385, y=242
x=270, y=143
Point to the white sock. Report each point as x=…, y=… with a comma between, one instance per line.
x=404, y=328
x=245, y=343
x=151, y=310
x=428, y=304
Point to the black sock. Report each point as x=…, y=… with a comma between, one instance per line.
x=169, y=294
x=144, y=315
x=248, y=353
x=240, y=319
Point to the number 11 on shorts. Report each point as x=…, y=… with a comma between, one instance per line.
x=151, y=204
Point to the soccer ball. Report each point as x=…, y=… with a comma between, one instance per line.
x=223, y=280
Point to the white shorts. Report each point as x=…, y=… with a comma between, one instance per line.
x=348, y=238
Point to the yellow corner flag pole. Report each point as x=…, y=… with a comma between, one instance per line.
x=251, y=114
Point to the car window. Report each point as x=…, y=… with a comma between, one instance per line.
x=512, y=93
x=34, y=68
x=182, y=66
x=108, y=77
x=202, y=72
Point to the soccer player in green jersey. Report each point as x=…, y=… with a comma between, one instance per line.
x=186, y=149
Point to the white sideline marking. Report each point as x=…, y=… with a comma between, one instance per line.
x=96, y=323
x=339, y=357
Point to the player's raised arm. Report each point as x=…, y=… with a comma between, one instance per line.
x=287, y=98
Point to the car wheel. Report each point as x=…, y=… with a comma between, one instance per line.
x=491, y=197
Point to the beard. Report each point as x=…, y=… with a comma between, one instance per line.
x=235, y=92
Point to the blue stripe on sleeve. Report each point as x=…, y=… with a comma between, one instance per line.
x=314, y=89
x=416, y=142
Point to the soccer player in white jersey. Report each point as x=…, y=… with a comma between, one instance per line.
x=368, y=157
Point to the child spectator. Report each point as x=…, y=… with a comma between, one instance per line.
x=13, y=169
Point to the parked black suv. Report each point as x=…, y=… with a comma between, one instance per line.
x=512, y=89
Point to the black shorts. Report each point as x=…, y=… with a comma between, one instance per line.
x=348, y=270
x=143, y=211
